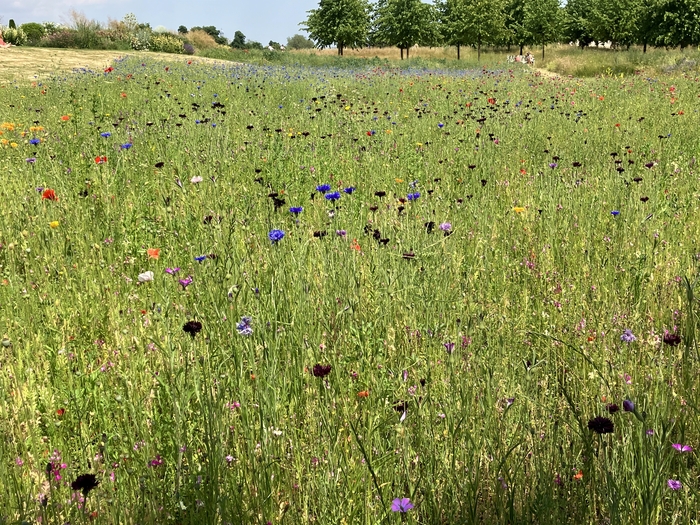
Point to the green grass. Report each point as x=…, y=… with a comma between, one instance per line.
x=534, y=287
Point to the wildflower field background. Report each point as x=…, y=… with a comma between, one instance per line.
x=283, y=294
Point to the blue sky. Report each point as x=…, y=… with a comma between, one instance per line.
x=261, y=20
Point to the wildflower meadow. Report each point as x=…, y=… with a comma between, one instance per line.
x=348, y=295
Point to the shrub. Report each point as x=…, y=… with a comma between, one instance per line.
x=50, y=28
x=188, y=48
x=62, y=39
x=299, y=42
x=33, y=31
x=140, y=39
x=201, y=40
x=165, y=43
x=14, y=36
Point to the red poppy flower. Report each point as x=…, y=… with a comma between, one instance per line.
x=49, y=195
x=100, y=160
x=109, y=69
x=60, y=411
x=491, y=100
x=65, y=118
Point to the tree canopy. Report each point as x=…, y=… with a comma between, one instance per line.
x=342, y=23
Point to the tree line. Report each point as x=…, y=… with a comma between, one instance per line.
x=519, y=23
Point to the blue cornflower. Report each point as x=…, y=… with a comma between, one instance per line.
x=296, y=210
x=628, y=406
x=275, y=236
x=323, y=188
x=614, y=213
x=244, y=327
x=126, y=146
x=332, y=196
x=105, y=134
x=200, y=258
x=440, y=125
x=413, y=196
x=34, y=142
x=349, y=190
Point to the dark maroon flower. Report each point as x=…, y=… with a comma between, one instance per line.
x=612, y=408
x=192, y=327
x=601, y=425
x=321, y=370
x=672, y=339
x=85, y=483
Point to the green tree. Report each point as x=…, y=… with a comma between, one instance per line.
x=343, y=23
x=299, y=42
x=182, y=30
x=215, y=33
x=543, y=21
x=515, y=30
x=446, y=11
x=678, y=23
x=478, y=22
x=614, y=21
x=34, y=32
x=577, y=24
x=405, y=23
x=238, y=41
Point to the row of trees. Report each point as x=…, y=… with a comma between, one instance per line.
x=479, y=23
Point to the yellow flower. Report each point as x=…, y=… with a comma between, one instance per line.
x=53, y=224
x=13, y=144
x=347, y=108
x=518, y=209
x=4, y=142
x=399, y=180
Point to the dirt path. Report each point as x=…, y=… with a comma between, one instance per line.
x=32, y=63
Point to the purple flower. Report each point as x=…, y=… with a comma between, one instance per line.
x=341, y=233
x=650, y=432
x=674, y=484
x=628, y=337
x=404, y=504
x=31, y=160
x=155, y=461
x=552, y=165
x=682, y=448
x=449, y=346
x=628, y=406
x=275, y=236
x=105, y=134
x=34, y=142
x=186, y=282
x=413, y=196
x=244, y=327
x=172, y=271
x=445, y=226
x=349, y=190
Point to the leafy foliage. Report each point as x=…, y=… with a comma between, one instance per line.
x=405, y=23
x=343, y=23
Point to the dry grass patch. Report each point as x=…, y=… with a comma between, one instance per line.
x=33, y=63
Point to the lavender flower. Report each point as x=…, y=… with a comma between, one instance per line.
x=627, y=336
x=403, y=505
x=674, y=484
x=628, y=406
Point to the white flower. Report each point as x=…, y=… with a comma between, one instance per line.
x=146, y=277
x=196, y=179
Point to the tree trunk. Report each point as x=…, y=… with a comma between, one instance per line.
x=340, y=50
x=401, y=48
x=521, y=50
x=407, y=51
x=458, y=51
x=478, y=51
x=542, y=50
x=645, y=47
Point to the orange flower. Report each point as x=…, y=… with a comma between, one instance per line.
x=491, y=100
x=65, y=118
x=154, y=253
x=123, y=95
x=363, y=393
x=355, y=245
x=49, y=195
x=579, y=475
x=100, y=160
x=60, y=411
x=523, y=171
